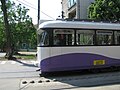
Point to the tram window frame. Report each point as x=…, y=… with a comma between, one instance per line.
x=46, y=39
x=64, y=37
x=106, y=37
x=43, y=39
x=85, y=35
x=50, y=41
x=40, y=38
x=117, y=40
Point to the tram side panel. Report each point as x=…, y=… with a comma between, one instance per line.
x=77, y=58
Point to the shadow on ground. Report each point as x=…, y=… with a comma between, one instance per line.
x=86, y=80
x=23, y=63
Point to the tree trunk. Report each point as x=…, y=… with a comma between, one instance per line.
x=9, y=51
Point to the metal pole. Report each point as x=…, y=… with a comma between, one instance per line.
x=78, y=9
x=38, y=22
x=62, y=14
x=38, y=13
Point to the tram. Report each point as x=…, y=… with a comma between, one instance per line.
x=77, y=45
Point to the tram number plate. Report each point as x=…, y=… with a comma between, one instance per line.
x=99, y=62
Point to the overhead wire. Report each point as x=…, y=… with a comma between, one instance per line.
x=35, y=9
x=28, y=3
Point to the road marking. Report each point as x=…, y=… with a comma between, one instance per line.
x=32, y=62
x=13, y=62
x=3, y=62
x=23, y=61
x=35, y=63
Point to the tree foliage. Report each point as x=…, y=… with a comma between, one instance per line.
x=105, y=10
x=2, y=35
x=22, y=28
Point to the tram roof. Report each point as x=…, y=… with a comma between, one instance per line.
x=79, y=24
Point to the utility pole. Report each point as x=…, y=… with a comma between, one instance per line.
x=62, y=15
x=38, y=14
x=38, y=20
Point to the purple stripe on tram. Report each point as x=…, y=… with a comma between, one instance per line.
x=76, y=61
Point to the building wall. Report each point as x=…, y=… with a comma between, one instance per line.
x=84, y=4
x=71, y=12
x=65, y=7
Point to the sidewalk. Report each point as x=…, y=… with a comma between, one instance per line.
x=10, y=84
x=27, y=53
x=2, y=54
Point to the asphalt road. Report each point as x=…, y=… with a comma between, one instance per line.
x=101, y=81
x=17, y=69
x=12, y=72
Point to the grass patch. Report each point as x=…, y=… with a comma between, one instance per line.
x=25, y=56
x=22, y=56
x=2, y=58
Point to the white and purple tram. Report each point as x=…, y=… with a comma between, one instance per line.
x=77, y=45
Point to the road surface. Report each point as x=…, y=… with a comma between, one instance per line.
x=22, y=75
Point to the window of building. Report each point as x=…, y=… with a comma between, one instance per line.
x=71, y=3
x=84, y=37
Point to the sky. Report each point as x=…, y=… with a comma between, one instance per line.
x=50, y=9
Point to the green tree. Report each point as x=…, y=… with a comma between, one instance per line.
x=2, y=40
x=2, y=35
x=105, y=10
x=22, y=28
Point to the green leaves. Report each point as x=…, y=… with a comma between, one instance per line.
x=22, y=28
x=105, y=10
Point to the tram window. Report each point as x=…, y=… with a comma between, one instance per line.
x=43, y=39
x=40, y=39
x=63, y=37
x=104, y=37
x=56, y=40
x=117, y=37
x=84, y=37
x=46, y=40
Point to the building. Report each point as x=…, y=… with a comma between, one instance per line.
x=76, y=9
